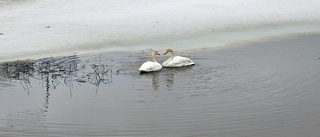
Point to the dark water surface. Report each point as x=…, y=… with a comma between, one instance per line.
x=262, y=89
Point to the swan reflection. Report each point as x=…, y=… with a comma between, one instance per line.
x=172, y=73
x=169, y=79
x=154, y=76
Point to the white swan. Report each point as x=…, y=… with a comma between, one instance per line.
x=150, y=66
x=176, y=61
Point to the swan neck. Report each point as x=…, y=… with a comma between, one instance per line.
x=153, y=58
x=172, y=55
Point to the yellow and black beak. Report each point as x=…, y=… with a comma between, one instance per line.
x=165, y=52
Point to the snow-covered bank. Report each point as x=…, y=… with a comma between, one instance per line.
x=79, y=26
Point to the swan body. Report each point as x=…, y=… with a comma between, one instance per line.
x=176, y=61
x=150, y=66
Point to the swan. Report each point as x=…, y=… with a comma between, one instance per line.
x=176, y=61
x=150, y=66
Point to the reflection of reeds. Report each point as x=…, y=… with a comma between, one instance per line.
x=20, y=71
x=101, y=73
x=53, y=71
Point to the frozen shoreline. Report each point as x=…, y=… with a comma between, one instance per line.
x=78, y=27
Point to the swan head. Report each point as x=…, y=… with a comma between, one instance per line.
x=156, y=53
x=168, y=50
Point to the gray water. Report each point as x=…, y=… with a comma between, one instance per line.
x=260, y=89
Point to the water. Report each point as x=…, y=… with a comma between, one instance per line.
x=261, y=89
x=79, y=27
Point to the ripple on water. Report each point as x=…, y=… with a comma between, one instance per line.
x=262, y=89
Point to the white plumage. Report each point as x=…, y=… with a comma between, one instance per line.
x=150, y=66
x=176, y=61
